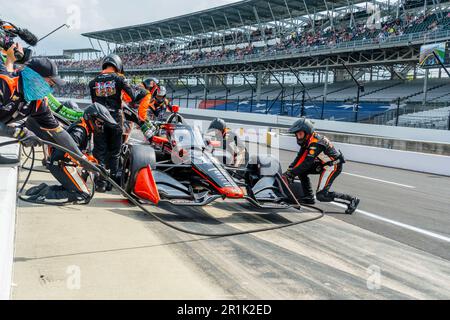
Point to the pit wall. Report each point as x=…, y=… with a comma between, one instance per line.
x=8, y=202
x=414, y=161
x=401, y=133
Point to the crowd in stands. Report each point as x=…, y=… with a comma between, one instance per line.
x=74, y=90
x=313, y=38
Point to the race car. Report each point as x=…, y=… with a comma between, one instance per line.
x=176, y=167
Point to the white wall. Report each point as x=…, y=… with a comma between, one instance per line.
x=8, y=196
x=414, y=161
x=402, y=133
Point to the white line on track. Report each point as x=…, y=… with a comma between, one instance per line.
x=399, y=224
x=379, y=180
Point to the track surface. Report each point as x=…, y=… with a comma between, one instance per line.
x=403, y=231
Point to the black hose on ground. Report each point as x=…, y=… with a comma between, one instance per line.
x=28, y=157
x=99, y=170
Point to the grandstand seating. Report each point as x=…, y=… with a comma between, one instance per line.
x=407, y=24
x=432, y=119
x=278, y=46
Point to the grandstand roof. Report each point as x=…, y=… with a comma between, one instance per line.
x=235, y=15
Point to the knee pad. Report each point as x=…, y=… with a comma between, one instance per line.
x=324, y=196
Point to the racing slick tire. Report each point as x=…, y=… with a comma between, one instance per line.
x=134, y=158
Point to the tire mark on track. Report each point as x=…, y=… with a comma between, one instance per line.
x=263, y=269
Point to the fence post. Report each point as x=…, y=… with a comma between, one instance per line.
x=267, y=104
x=323, y=108
x=226, y=101
x=196, y=103
x=449, y=120
x=238, y=102
x=215, y=102
x=398, y=112
x=187, y=101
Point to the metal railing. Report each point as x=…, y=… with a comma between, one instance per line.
x=393, y=113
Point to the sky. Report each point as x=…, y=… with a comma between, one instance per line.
x=42, y=16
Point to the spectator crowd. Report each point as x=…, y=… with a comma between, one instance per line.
x=257, y=42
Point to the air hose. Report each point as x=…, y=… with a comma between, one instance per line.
x=102, y=172
x=32, y=156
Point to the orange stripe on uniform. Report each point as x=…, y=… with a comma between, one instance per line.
x=331, y=175
x=71, y=178
x=301, y=159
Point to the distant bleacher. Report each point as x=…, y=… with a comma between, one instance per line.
x=376, y=91
x=432, y=119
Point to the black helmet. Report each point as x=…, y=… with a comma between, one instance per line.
x=113, y=60
x=71, y=105
x=218, y=124
x=96, y=111
x=150, y=83
x=304, y=125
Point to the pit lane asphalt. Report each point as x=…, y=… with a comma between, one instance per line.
x=126, y=254
x=425, y=206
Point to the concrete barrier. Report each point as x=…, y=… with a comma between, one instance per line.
x=8, y=196
x=415, y=161
x=401, y=133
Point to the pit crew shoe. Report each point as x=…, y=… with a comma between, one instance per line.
x=353, y=205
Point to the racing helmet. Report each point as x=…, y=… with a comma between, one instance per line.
x=113, y=60
x=150, y=83
x=218, y=124
x=304, y=125
x=161, y=94
x=98, y=116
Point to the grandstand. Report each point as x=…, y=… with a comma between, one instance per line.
x=288, y=57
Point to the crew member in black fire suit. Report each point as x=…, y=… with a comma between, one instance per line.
x=108, y=89
x=23, y=100
x=317, y=156
x=74, y=187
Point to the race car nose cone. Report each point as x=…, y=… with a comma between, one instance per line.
x=232, y=192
